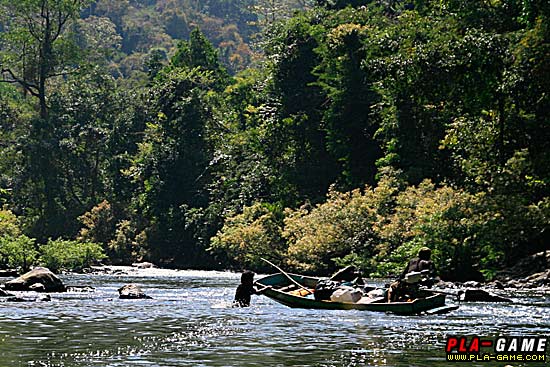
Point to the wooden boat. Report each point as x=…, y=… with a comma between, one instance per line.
x=286, y=292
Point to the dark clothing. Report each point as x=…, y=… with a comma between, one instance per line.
x=348, y=274
x=417, y=264
x=324, y=289
x=404, y=289
x=242, y=296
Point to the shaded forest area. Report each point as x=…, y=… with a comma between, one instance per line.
x=209, y=134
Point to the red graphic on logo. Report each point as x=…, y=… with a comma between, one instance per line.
x=461, y=345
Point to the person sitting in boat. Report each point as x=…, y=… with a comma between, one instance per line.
x=246, y=289
x=421, y=264
x=420, y=271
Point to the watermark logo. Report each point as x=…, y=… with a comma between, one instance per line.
x=501, y=349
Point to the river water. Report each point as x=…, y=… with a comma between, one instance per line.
x=190, y=322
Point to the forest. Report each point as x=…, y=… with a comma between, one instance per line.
x=316, y=134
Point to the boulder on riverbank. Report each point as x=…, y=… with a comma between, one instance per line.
x=533, y=264
x=111, y=270
x=39, y=279
x=132, y=291
x=537, y=280
x=541, y=279
x=495, y=284
x=530, y=272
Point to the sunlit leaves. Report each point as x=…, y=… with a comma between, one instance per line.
x=249, y=236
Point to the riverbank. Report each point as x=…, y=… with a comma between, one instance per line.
x=530, y=273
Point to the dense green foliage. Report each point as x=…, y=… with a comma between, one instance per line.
x=70, y=255
x=17, y=252
x=210, y=134
x=16, y=249
x=9, y=224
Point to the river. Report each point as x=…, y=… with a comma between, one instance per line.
x=190, y=322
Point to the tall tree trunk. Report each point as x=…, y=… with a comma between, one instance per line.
x=45, y=57
x=501, y=125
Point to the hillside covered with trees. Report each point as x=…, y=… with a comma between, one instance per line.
x=209, y=134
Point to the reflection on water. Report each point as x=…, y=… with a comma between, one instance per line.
x=190, y=322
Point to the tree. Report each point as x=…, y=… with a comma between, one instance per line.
x=272, y=11
x=340, y=4
x=199, y=52
x=72, y=160
x=98, y=35
x=348, y=120
x=172, y=164
x=292, y=115
x=35, y=46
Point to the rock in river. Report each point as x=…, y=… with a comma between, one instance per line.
x=41, y=298
x=479, y=295
x=144, y=265
x=132, y=291
x=472, y=284
x=46, y=280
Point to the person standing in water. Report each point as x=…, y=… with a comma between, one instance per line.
x=246, y=289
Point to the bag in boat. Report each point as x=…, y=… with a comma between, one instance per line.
x=377, y=293
x=346, y=295
x=324, y=289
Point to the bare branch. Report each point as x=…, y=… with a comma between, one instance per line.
x=60, y=23
x=62, y=73
x=29, y=87
x=33, y=32
x=32, y=28
x=43, y=9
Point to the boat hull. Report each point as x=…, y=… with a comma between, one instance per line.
x=279, y=280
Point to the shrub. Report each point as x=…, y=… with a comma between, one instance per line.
x=336, y=228
x=380, y=229
x=444, y=219
x=70, y=255
x=128, y=244
x=471, y=235
x=253, y=234
x=17, y=252
x=98, y=225
x=341, y=231
x=9, y=225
